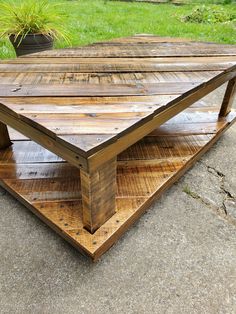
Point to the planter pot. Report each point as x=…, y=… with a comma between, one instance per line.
x=31, y=43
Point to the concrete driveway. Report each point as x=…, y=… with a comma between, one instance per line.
x=179, y=258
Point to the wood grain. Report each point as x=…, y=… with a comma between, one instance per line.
x=111, y=50
x=144, y=171
x=102, y=135
x=120, y=66
x=96, y=90
x=137, y=100
x=228, y=98
x=98, y=195
x=4, y=136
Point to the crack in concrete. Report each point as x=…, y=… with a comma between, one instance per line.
x=219, y=210
x=227, y=194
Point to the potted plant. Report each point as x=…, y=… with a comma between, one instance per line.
x=31, y=26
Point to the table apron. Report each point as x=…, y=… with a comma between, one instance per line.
x=44, y=140
x=175, y=107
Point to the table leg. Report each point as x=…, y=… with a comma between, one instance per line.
x=228, y=98
x=98, y=195
x=4, y=136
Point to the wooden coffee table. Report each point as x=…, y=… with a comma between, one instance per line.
x=103, y=131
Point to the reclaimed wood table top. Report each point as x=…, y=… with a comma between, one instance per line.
x=95, y=101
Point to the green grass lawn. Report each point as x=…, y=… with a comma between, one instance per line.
x=89, y=21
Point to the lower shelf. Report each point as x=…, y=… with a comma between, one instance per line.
x=50, y=187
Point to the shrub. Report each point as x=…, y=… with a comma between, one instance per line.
x=209, y=14
x=20, y=18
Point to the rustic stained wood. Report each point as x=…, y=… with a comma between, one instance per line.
x=137, y=100
x=4, y=136
x=51, y=188
x=98, y=195
x=228, y=98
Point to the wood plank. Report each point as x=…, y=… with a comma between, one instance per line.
x=88, y=105
x=169, y=129
x=166, y=147
x=29, y=90
x=59, y=60
x=117, y=67
x=146, y=38
x=25, y=151
x=151, y=42
x=31, y=169
x=85, y=104
x=102, y=78
x=47, y=189
x=160, y=50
